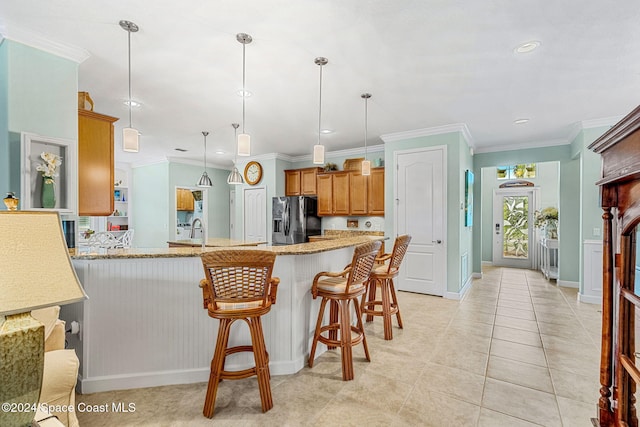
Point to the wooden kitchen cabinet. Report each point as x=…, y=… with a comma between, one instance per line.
x=351, y=193
x=301, y=182
x=184, y=200
x=333, y=193
x=375, y=192
x=95, y=164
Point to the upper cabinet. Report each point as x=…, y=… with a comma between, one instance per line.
x=184, y=199
x=301, y=182
x=350, y=193
x=95, y=164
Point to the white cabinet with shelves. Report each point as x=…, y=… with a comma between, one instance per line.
x=119, y=220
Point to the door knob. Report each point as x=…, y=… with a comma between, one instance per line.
x=437, y=241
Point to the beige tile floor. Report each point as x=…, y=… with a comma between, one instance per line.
x=516, y=351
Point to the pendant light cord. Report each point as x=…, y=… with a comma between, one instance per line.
x=129, y=44
x=320, y=106
x=244, y=91
x=205, y=150
x=366, y=124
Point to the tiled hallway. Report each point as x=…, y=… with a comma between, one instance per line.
x=516, y=351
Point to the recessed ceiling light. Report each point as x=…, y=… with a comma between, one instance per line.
x=182, y=150
x=134, y=104
x=527, y=46
x=244, y=93
x=520, y=121
x=326, y=131
x=219, y=152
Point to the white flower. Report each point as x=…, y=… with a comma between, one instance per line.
x=48, y=168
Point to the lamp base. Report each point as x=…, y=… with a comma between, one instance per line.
x=21, y=366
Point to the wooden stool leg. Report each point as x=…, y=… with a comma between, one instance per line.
x=333, y=318
x=316, y=335
x=345, y=340
x=217, y=365
x=386, y=308
x=361, y=327
x=370, y=296
x=395, y=302
x=262, y=366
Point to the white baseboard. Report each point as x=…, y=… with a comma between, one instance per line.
x=487, y=262
x=458, y=295
x=589, y=299
x=568, y=284
x=187, y=376
x=477, y=275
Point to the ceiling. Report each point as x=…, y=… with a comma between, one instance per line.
x=428, y=63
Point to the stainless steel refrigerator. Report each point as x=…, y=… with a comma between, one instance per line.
x=295, y=218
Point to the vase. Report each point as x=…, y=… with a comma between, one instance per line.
x=48, y=196
x=551, y=230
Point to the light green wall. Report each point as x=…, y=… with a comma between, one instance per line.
x=458, y=159
x=154, y=201
x=466, y=233
x=150, y=205
x=182, y=175
x=547, y=180
x=39, y=95
x=569, y=222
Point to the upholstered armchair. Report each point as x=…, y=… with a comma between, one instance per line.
x=60, y=367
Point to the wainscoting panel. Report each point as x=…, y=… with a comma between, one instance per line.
x=592, y=272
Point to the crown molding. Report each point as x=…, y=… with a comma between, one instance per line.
x=41, y=42
x=341, y=153
x=590, y=124
x=523, y=146
x=436, y=130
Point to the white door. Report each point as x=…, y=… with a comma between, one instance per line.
x=512, y=228
x=421, y=212
x=255, y=214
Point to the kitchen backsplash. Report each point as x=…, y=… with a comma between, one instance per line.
x=376, y=224
x=351, y=233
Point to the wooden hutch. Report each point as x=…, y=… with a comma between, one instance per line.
x=620, y=201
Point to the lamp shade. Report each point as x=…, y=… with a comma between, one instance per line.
x=244, y=144
x=366, y=167
x=234, y=177
x=130, y=140
x=35, y=267
x=205, y=181
x=318, y=154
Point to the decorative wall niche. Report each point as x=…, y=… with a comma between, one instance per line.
x=65, y=187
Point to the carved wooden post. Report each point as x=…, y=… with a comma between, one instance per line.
x=604, y=403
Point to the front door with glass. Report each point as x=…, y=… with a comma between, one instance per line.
x=513, y=233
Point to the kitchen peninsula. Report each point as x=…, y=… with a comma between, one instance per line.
x=144, y=324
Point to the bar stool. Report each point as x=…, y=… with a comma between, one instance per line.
x=341, y=289
x=382, y=276
x=239, y=286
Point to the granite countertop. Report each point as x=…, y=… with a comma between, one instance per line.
x=190, y=251
x=214, y=243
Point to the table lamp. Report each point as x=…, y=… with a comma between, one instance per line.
x=35, y=272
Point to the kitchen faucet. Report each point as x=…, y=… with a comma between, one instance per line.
x=193, y=232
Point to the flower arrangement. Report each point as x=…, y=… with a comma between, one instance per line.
x=51, y=163
x=546, y=217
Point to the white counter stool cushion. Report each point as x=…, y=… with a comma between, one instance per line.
x=58, y=384
x=340, y=289
x=382, y=277
x=239, y=286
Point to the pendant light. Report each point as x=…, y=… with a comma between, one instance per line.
x=366, y=164
x=244, y=140
x=318, y=149
x=130, y=136
x=204, y=180
x=234, y=177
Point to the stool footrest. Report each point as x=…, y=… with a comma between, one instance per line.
x=357, y=339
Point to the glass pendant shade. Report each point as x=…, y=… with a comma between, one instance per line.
x=244, y=144
x=366, y=167
x=234, y=177
x=318, y=154
x=204, y=180
x=130, y=140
